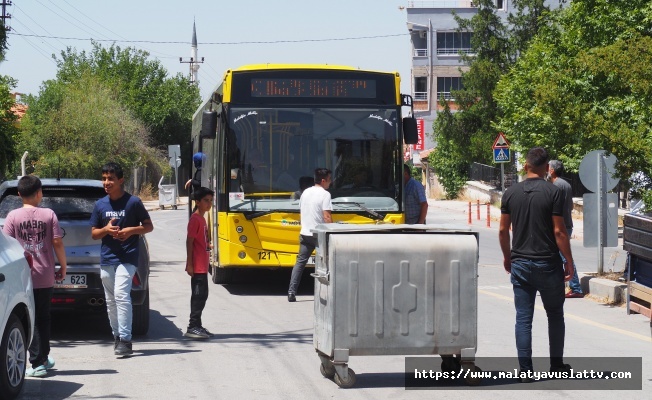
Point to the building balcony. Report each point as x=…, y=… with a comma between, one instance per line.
x=420, y=96
x=420, y=52
x=446, y=95
x=453, y=51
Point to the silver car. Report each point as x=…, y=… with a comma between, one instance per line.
x=73, y=200
x=16, y=315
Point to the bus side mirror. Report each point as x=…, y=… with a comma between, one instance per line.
x=208, y=125
x=410, y=133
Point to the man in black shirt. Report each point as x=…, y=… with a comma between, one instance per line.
x=534, y=209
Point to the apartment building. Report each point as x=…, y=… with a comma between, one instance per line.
x=436, y=47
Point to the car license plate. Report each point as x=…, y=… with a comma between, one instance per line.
x=72, y=281
x=311, y=261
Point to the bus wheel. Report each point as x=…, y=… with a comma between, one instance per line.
x=222, y=276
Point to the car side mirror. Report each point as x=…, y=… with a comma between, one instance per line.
x=410, y=132
x=208, y=125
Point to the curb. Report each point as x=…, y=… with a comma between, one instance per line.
x=604, y=290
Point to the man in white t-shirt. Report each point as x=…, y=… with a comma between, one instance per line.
x=316, y=209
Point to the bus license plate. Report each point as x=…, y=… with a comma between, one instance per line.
x=311, y=261
x=72, y=281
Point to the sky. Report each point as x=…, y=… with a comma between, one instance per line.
x=366, y=34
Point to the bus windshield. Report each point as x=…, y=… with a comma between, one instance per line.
x=272, y=153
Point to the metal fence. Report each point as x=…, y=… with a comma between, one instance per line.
x=490, y=175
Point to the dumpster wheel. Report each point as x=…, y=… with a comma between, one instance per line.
x=327, y=372
x=345, y=384
x=450, y=364
x=472, y=381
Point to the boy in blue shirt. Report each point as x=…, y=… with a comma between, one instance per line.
x=118, y=219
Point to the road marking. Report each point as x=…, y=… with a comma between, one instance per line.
x=579, y=319
x=483, y=287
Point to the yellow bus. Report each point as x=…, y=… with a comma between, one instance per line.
x=266, y=128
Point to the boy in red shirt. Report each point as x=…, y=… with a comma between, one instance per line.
x=197, y=262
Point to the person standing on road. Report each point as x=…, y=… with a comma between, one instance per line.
x=197, y=260
x=37, y=230
x=316, y=207
x=118, y=219
x=555, y=173
x=534, y=208
x=416, y=203
x=194, y=183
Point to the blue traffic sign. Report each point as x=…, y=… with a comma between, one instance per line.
x=501, y=155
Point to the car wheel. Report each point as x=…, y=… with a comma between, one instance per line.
x=13, y=359
x=222, y=276
x=140, y=324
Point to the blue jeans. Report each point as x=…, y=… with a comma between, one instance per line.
x=307, y=245
x=574, y=283
x=117, y=280
x=529, y=277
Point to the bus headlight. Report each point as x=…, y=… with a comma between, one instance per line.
x=243, y=239
x=239, y=229
x=242, y=255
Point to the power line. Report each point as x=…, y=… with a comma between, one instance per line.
x=78, y=20
x=161, y=55
x=38, y=49
x=63, y=18
x=37, y=24
x=217, y=43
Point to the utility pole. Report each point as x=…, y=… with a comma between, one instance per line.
x=4, y=16
x=194, y=60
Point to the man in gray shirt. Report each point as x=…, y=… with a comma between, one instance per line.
x=555, y=172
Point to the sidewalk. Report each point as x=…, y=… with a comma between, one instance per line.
x=604, y=290
x=153, y=205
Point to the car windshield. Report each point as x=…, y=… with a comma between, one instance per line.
x=272, y=154
x=71, y=204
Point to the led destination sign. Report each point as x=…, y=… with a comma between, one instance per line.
x=311, y=87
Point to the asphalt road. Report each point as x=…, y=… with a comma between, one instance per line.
x=262, y=348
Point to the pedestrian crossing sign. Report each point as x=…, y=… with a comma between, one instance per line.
x=501, y=155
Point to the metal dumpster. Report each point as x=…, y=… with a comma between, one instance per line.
x=167, y=196
x=394, y=290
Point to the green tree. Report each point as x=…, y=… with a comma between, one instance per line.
x=3, y=41
x=7, y=118
x=73, y=128
x=450, y=163
x=8, y=128
x=495, y=46
x=585, y=83
x=164, y=104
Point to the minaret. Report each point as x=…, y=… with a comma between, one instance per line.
x=194, y=66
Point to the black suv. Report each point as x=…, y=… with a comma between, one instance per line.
x=73, y=200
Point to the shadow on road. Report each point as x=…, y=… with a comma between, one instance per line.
x=70, y=328
x=56, y=390
x=265, y=282
x=264, y=339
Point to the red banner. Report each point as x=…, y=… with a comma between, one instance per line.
x=420, y=146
